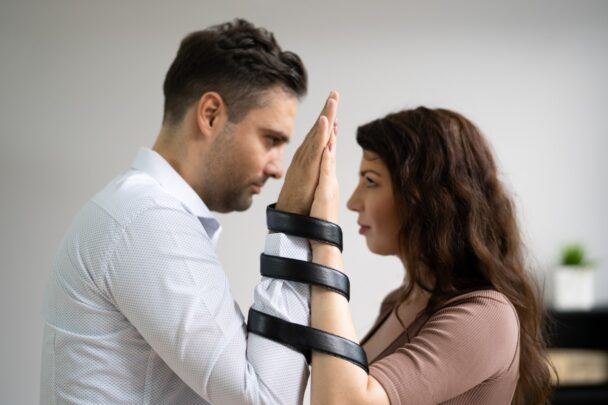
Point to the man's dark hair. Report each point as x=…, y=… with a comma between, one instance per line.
x=235, y=59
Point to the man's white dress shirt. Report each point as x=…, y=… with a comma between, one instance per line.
x=139, y=311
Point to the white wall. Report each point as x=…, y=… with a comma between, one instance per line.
x=80, y=91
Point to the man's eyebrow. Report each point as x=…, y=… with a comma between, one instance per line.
x=278, y=134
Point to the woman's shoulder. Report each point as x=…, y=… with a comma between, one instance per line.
x=485, y=319
x=485, y=313
x=487, y=297
x=477, y=304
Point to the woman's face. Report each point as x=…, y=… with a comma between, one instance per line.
x=374, y=202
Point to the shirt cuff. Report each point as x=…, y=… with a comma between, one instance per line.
x=288, y=300
x=293, y=247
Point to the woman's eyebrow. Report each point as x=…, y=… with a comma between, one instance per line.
x=364, y=172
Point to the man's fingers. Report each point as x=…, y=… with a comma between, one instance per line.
x=330, y=109
x=319, y=136
x=323, y=131
x=303, y=173
x=333, y=95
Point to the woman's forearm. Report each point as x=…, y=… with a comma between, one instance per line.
x=334, y=380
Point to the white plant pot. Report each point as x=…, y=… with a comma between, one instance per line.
x=573, y=288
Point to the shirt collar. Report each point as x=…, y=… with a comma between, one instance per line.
x=152, y=163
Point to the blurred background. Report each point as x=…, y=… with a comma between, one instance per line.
x=81, y=91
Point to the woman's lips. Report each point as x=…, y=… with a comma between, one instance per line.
x=363, y=229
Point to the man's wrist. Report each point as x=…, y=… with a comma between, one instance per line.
x=291, y=207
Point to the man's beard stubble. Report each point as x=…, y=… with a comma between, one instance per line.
x=224, y=186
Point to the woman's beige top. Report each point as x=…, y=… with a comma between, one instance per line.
x=466, y=352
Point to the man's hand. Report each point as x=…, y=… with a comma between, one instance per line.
x=303, y=172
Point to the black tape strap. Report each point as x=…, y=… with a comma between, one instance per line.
x=304, y=338
x=305, y=272
x=303, y=226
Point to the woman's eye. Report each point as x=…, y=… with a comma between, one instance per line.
x=369, y=182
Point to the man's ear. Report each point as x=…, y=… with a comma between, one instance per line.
x=211, y=114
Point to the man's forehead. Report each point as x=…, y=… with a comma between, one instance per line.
x=276, y=115
x=274, y=94
x=276, y=99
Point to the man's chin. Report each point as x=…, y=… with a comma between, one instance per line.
x=244, y=207
x=242, y=204
x=239, y=203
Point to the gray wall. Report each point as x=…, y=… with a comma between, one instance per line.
x=80, y=91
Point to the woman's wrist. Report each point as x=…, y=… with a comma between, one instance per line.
x=323, y=248
x=326, y=255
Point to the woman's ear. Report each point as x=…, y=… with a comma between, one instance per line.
x=211, y=114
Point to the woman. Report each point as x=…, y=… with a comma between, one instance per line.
x=466, y=325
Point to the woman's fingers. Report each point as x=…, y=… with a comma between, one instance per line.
x=326, y=200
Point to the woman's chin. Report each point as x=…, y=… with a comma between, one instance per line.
x=378, y=248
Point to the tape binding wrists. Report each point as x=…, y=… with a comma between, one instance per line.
x=305, y=272
x=305, y=339
x=303, y=226
x=301, y=338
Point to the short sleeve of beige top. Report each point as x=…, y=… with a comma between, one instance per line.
x=466, y=352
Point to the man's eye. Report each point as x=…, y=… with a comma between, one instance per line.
x=273, y=141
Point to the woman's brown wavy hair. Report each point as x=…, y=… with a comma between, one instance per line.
x=458, y=224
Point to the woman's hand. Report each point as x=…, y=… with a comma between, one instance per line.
x=327, y=194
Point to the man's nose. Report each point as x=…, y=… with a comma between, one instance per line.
x=274, y=168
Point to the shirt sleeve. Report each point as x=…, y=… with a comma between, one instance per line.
x=459, y=347
x=166, y=279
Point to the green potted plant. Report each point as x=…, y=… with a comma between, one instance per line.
x=573, y=279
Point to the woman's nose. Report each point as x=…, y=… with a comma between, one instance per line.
x=354, y=203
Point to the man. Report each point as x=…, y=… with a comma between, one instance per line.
x=138, y=308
